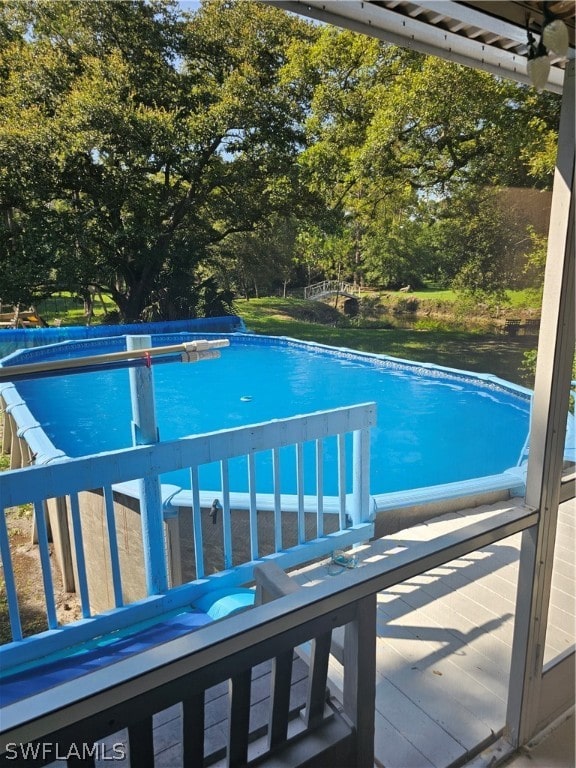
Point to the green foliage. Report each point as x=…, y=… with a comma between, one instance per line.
x=538, y=143
x=403, y=305
x=4, y=461
x=528, y=371
x=474, y=304
x=144, y=151
x=395, y=135
x=142, y=134
x=536, y=263
x=528, y=366
x=258, y=262
x=370, y=306
x=475, y=239
x=430, y=324
x=396, y=253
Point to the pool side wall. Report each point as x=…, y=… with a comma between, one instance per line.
x=23, y=338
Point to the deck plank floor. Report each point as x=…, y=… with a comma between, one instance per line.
x=443, y=647
x=445, y=640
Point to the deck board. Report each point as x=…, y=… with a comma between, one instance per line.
x=445, y=641
x=426, y=732
x=479, y=659
x=442, y=690
x=437, y=696
x=389, y=738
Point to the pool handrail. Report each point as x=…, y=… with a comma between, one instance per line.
x=187, y=352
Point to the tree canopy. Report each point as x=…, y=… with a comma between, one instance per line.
x=399, y=140
x=165, y=157
x=133, y=141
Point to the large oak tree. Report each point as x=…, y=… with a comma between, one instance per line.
x=133, y=140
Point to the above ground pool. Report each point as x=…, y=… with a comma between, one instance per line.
x=434, y=426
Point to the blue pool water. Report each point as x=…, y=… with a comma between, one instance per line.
x=433, y=426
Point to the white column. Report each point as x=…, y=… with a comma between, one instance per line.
x=550, y=406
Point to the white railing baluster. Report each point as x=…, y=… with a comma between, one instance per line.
x=342, y=481
x=153, y=535
x=276, y=479
x=361, y=477
x=319, y=488
x=300, y=492
x=226, y=521
x=253, y=509
x=197, y=523
x=9, y=581
x=40, y=515
x=113, y=546
x=80, y=556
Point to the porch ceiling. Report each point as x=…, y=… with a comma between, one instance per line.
x=487, y=34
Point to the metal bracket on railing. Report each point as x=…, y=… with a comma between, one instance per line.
x=214, y=509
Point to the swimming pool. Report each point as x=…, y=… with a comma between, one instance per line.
x=435, y=426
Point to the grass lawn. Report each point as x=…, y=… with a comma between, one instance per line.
x=70, y=309
x=465, y=350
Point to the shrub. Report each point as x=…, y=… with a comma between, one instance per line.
x=405, y=305
x=428, y=324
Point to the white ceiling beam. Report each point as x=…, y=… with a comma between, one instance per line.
x=392, y=27
x=474, y=18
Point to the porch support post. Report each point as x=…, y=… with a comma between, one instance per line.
x=550, y=407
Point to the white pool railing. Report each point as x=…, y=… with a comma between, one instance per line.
x=68, y=478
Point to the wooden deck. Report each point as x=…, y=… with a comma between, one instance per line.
x=443, y=650
x=445, y=639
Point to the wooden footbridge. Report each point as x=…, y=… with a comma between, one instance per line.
x=330, y=288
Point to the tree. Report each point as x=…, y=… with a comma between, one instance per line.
x=536, y=263
x=147, y=139
x=390, y=129
x=399, y=253
x=475, y=240
x=258, y=262
x=143, y=152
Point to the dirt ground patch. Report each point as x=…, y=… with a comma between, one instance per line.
x=29, y=584
x=28, y=577
x=307, y=311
